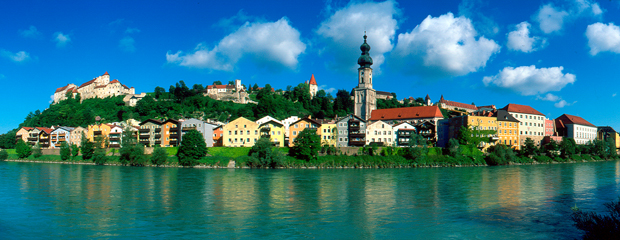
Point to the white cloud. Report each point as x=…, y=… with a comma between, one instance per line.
x=529, y=80
x=20, y=56
x=613, y=95
x=603, y=38
x=342, y=33
x=61, y=39
x=127, y=44
x=550, y=18
x=561, y=104
x=550, y=97
x=327, y=90
x=443, y=46
x=270, y=44
x=31, y=32
x=520, y=40
x=132, y=30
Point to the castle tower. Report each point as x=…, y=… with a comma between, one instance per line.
x=428, y=100
x=314, y=88
x=238, y=86
x=365, y=96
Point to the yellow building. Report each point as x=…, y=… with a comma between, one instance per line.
x=241, y=132
x=480, y=126
x=298, y=126
x=329, y=133
x=274, y=131
x=23, y=134
x=98, y=130
x=507, y=129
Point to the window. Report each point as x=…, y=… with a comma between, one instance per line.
x=294, y=133
x=295, y=125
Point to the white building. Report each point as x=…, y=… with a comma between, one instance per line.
x=380, y=132
x=531, y=122
x=576, y=128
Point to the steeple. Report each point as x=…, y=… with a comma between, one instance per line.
x=365, y=60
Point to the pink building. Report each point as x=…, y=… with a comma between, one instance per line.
x=549, y=128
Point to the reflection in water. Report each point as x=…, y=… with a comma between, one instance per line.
x=514, y=202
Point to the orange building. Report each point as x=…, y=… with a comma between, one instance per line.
x=171, y=133
x=298, y=126
x=218, y=139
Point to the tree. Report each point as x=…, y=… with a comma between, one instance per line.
x=567, y=147
x=598, y=226
x=131, y=152
x=36, y=151
x=87, y=148
x=529, y=147
x=3, y=155
x=159, y=156
x=217, y=82
x=306, y=145
x=464, y=135
x=343, y=104
x=99, y=154
x=231, y=83
x=453, y=147
x=65, y=151
x=23, y=149
x=263, y=155
x=192, y=149
x=255, y=87
x=551, y=148
x=159, y=91
x=75, y=150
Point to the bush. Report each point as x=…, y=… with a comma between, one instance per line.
x=99, y=157
x=598, y=226
x=3, y=155
x=306, y=145
x=36, y=151
x=159, y=156
x=263, y=155
x=23, y=149
x=494, y=160
x=65, y=151
x=575, y=157
x=586, y=157
x=542, y=159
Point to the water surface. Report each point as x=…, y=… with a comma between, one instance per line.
x=56, y=201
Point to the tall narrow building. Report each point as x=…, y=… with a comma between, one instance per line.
x=365, y=95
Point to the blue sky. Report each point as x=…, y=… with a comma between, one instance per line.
x=556, y=56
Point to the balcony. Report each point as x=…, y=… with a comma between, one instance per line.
x=144, y=137
x=97, y=133
x=45, y=145
x=157, y=142
x=158, y=135
x=173, y=142
x=115, y=145
x=32, y=139
x=146, y=130
x=115, y=139
x=357, y=135
x=157, y=130
x=357, y=143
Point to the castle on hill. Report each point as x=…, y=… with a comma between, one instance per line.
x=99, y=87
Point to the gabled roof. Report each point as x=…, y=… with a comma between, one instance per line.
x=220, y=86
x=272, y=121
x=517, y=108
x=406, y=113
x=351, y=116
x=605, y=129
x=45, y=130
x=172, y=121
x=570, y=119
x=151, y=120
x=27, y=128
x=114, y=81
x=106, y=73
x=312, y=80
x=403, y=123
x=308, y=120
x=503, y=115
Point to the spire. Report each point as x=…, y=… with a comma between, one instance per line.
x=106, y=73
x=441, y=99
x=427, y=97
x=365, y=60
x=312, y=80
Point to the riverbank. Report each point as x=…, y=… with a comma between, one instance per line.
x=323, y=162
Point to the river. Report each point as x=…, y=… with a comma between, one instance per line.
x=61, y=201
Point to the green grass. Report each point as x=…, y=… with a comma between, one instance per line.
x=231, y=152
x=172, y=151
x=10, y=151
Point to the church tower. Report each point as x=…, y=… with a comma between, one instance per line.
x=365, y=96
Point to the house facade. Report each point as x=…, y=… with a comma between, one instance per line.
x=379, y=133
x=531, y=122
x=297, y=127
x=240, y=132
x=576, y=128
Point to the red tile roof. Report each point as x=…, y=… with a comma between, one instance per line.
x=27, y=128
x=570, y=119
x=87, y=83
x=312, y=80
x=102, y=86
x=46, y=130
x=125, y=86
x=220, y=86
x=406, y=113
x=62, y=88
x=457, y=104
x=511, y=107
x=114, y=81
x=106, y=73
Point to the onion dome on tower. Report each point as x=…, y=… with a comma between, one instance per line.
x=365, y=60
